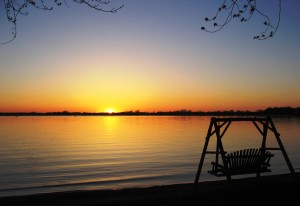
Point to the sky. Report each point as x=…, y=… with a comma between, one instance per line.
x=149, y=56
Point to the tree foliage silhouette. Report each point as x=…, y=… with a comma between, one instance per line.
x=15, y=8
x=242, y=10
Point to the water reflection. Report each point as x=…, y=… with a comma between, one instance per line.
x=118, y=151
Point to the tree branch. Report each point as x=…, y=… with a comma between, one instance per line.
x=14, y=8
x=244, y=11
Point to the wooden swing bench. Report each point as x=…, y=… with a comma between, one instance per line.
x=247, y=161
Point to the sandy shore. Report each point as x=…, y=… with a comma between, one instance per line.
x=266, y=190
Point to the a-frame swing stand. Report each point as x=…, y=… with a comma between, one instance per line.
x=247, y=161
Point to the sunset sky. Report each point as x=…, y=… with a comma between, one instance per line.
x=151, y=56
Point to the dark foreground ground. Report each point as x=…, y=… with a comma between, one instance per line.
x=275, y=189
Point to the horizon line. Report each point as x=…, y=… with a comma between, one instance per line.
x=287, y=109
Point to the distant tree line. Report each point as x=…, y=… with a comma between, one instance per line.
x=271, y=111
x=281, y=111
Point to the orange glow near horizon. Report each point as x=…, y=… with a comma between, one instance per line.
x=110, y=110
x=145, y=95
x=148, y=62
x=159, y=107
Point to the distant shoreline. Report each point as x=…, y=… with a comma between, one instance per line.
x=274, y=111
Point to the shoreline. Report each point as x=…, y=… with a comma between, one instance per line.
x=270, y=111
x=268, y=189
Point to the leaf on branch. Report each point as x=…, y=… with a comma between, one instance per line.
x=15, y=8
x=244, y=10
x=31, y=2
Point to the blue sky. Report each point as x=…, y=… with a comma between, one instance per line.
x=151, y=56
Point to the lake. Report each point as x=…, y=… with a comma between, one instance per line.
x=61, y=153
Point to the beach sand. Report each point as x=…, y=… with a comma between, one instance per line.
x=272, y=189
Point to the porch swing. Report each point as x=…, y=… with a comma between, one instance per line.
x=245, y=161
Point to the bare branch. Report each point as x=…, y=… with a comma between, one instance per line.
x=243, y=10
x=14, y=8
x=96, y=4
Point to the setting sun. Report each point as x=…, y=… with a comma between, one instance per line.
x=110, y=111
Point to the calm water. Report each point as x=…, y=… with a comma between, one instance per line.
x=46, y=154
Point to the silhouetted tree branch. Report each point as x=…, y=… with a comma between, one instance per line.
x=242, y=10
x=15, y=8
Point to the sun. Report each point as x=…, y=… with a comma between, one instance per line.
x=110, y=111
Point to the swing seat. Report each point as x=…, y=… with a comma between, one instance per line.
x=247, y=161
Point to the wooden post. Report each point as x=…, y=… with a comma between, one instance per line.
x=209, y=133
x=221, y=149
x=277, y=135
x=263, y=146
